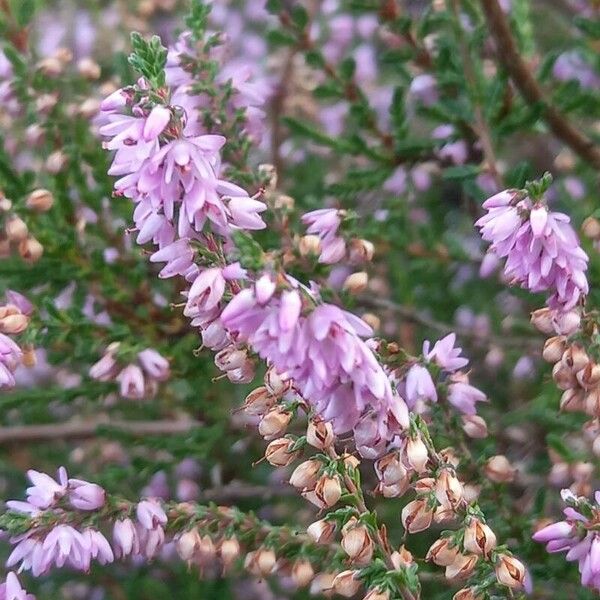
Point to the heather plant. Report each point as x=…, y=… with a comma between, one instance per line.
x=298, y=299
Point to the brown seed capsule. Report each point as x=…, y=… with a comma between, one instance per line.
x=373, y=321
x=346, y=583
x=448, y=489
x=262, y=562
x=377, y=594
x=321, y=531
x=56, y=162
x=206, y=552
x=563, y=376
x=275, y=383
x=274, y=423
x=30, y=250
x=16, y=229
x=462, y=567
x=589, y=376
x=402, y=558
x=89, y=108
x=258, y=402
x=389, y=468
x=467, y=594
x=572, y=400
x=499, y=469
x=230, y=358
x=50, y=66
x=474, y=426
x=305, y=475
x=279, y=452
x=510, y=571
x=424, y=485
x=322, y=584
x=554, y=348
x=357, y=543
x=302, y=573
x=319, y=434
x=229, y=551
x=29, y=358
x=591, y=402
x=40, y=200
x=575, y=358
x=442, y=552
x=479, y=538
x=417, y=516
x=444, y=514
x=327, y=492
x=356, y=283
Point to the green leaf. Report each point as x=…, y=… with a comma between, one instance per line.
x=149, y=58
x=197, y=20
x=461, y=172
x=591, y=27
x=276, y=37
x=299, y=16
x=23, y=11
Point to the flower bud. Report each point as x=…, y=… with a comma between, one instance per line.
x=50, y=66
x=591, y=402
x=309, y=245
x=479, y=538
x=274, y=423
x=187, y=544
x=319, y=434
x=230, y=358
x=444, y=514
x=395, y=490
x=16, y=230
x=302, y=573
x=499, y=469
x=373, y=321
x=474, y=426
x=322, y=531
x=442, y=552
x=389, y=468
x=44, y=103
x=346, y=583
x=206, y=550
x=361, y=251
x=13, y=322
x=356, y=283
x=510, y=571
x=279, y=453
x=591, y=228
x=322, y=585
x=567, y=323
x=357, y=543
x=305, y=475
x=261, y=562
x=416, y=454
x=542, y=320
x=448, y=489
x=417, y=516
x=229, y=551
x=89, y=69
x=30, y=250
x=40, y=200
x=554, y=348
x=56, y=162
x=462, y=567
x=89, y=108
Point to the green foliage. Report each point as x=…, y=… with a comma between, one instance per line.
x=149, y=58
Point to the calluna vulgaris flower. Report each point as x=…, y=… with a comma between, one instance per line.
x=541, y=248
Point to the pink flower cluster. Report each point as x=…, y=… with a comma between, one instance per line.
x=577, y=535
x=62, y=544
x=541, y=248
x=14, y=318
x=325, y=223
x=319, y=346
x=419, y=387
x=136, y=381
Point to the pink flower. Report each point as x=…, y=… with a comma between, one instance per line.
x=132, y=383
x=541, y=248
x=207, y=290
x=419, y=386
x=464, y=396
x=445, y=354
x=86, y=496
x=245, y=212
x=325, y=222
x=150, y=514
x=155, y=365
x=125, y=538
x=45, y=491
x=105, y=369
x=156, y=122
